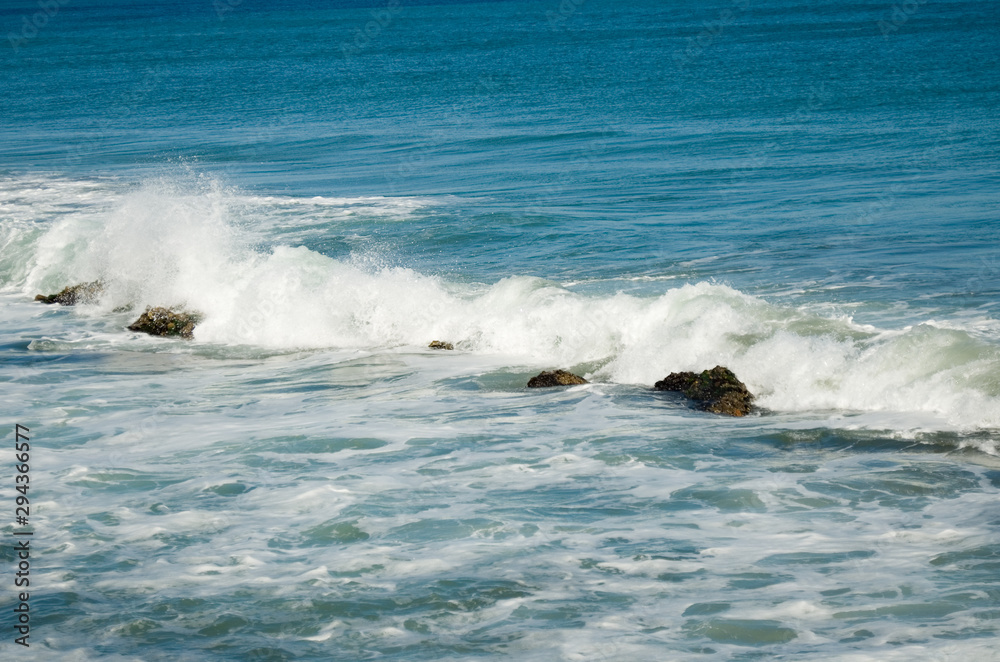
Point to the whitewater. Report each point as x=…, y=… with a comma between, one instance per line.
x=805, y=193
x=307, y=466
x=160, y=245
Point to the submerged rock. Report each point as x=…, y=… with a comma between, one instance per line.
x=440, y=344
x=74, y=294
x=166, y=322
x=716, y=390
x=557, y=378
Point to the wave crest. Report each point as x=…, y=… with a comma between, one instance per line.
x=166, y=244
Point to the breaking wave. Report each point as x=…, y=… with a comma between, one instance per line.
x=165, y=243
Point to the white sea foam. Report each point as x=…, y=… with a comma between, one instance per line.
x=189, y=245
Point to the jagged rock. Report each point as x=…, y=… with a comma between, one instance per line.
x=716, y=390
x=166, y=322
x=676, y=381
x=440, y=344
x=74, y=294
x=557, y=378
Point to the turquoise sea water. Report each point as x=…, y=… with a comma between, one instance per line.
x=807, y=193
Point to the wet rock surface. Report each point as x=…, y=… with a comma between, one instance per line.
x=440, y=344
x=555, y=378
x=166, y=322
x=716, y=390
x=74, y=294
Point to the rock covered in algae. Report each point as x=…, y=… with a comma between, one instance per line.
x=440, y=344
x=74, y=294
x=676, y=381
x=166, y=322
x=555, y=378
x=716, y=390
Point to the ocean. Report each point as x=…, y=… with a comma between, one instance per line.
x=806, y=193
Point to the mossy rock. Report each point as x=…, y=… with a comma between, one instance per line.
x=74, y=294
x=166, y=322
x=440, y=344
x=555, y=378
x=716, y=390
x=676, y=381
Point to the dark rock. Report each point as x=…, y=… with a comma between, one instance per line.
x=440, y=344
x=166, y=322
x=716, y=390
x=557, y=378
x=74, y=294
x=676, y=381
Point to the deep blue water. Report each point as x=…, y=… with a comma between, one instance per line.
x=807, y=193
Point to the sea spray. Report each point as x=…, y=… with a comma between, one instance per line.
x=187, y=243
